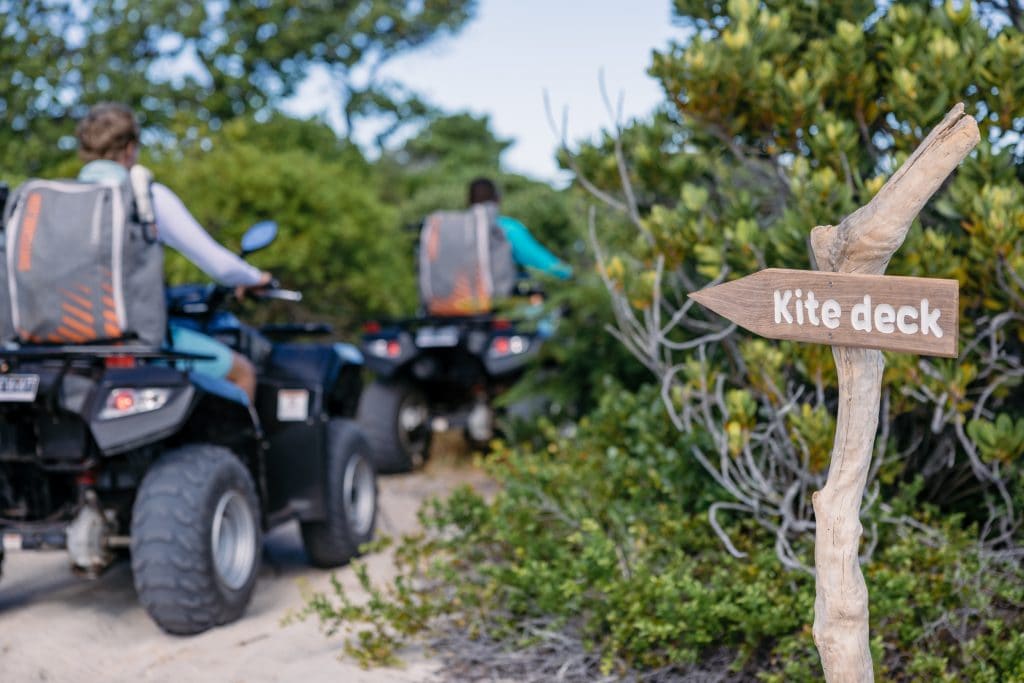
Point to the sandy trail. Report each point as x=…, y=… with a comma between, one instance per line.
x=57, y=627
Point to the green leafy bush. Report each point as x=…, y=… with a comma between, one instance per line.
x=604, y=539
x=781, y=117
x=337, y=241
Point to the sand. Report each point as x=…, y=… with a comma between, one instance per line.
x=55, y=626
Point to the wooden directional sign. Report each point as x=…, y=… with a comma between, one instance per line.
x=911, y=314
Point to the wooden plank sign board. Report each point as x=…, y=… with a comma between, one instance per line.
x=910, y=314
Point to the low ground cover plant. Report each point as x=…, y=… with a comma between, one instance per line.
x=595, y=559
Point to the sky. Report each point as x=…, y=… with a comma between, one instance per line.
x=503, y=61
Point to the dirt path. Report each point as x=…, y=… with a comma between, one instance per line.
x=56, y=627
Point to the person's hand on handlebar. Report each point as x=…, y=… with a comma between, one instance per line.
x=266, y=280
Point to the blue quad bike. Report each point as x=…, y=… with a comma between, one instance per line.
x=111, y=448
x=435, y=374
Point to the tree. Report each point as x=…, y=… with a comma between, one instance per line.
x=338, y=243
x=458, y=142
x=787, y=115
x=188, y=67
x=269, y=48
x=60, y=55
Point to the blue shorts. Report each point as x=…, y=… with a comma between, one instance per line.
x=190, y=341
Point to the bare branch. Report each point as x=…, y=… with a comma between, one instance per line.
x=713, y=519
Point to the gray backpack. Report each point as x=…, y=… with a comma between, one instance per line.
x=465, y=261
x=80, y=263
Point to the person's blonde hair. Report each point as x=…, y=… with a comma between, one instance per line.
x=106, y=131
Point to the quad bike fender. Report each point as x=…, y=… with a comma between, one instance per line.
x=295, y=462
x=122, y=434
x=332, y=372
x=192, y=405
x=327, y=381
x=386, y=354
x=497, y=366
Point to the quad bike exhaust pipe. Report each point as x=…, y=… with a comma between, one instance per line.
x=14, y=541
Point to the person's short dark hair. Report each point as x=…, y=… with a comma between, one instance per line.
x=483, y=190
x=106, y=131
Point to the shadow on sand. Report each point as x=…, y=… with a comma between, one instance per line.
x=33, y=578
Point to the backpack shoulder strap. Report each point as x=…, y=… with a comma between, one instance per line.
x=140, y=179
x=482, y=220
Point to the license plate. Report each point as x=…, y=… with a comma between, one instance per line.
x=292, y=405
x=18, y=388
x=437, y=337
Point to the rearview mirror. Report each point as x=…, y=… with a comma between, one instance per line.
x=259, y=236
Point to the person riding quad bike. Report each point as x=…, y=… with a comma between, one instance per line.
x=119, y=431
x=108, y=141
x=527, y=252
x=442, y=369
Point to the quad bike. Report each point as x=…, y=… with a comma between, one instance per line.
x=120, y=447
x=437, y=374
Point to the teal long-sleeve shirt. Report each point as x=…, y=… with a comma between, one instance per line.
x=528, y=252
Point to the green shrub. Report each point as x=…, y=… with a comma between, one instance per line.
x=781, y=116
x=338, y=242
x=605, y=538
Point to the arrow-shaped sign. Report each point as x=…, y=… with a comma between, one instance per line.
x=911, y=314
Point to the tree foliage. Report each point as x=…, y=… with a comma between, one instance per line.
x=55, y=63
x=187, y=67
x=784, y=116
x=269, y=48
x=337, y=242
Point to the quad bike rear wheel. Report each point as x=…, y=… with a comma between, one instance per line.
x=196, y=539
x=351, y=504
x=395, y=417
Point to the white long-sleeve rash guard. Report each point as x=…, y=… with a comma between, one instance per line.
x=178, y=229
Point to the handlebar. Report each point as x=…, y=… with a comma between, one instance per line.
x=200, y=300
x=273, y=290
x=277, y=294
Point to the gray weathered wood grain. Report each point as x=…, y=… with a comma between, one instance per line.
x=864, y=242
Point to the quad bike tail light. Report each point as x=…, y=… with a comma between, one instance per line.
x=124, y=402
x=386, y=348
x=509, y=345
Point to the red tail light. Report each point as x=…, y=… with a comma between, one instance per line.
x=123, y=401
x=119, y=362
x=385, y=348
x=372, y=327
x=501, y=324
x=509, y=346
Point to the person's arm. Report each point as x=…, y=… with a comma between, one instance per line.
x=178, y=229
x=527, y=251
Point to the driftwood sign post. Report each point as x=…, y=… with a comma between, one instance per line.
x=852, y=306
